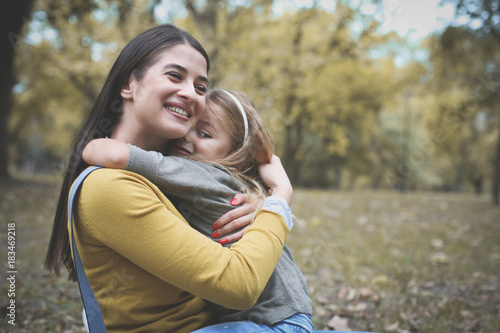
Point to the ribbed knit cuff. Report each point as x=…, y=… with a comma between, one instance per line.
x=140, y=161
x=280, y=206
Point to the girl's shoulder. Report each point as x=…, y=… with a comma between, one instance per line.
x=204, y=167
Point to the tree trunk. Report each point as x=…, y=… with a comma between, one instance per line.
x=206, y=23
x=496, y=169
x=337, y=182
x=289, y=149
x=291, y=141
x=13, y=14
x=477, y=182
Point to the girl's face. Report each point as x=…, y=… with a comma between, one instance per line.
x=167, y=101
x=207, y=140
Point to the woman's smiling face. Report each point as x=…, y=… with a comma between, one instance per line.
x=167, y=101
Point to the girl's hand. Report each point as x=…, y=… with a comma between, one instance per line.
x=276, y=179
x=235, y=219
x=108, y=153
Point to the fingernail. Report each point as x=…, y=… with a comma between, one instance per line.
x=215, y=226
x=215, y=234
x=223, y=241
x=233, y=202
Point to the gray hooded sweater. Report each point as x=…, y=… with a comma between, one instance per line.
x=202, y=192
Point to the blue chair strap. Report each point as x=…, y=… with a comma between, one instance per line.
x=94, y=316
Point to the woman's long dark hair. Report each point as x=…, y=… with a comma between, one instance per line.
x=135, y=59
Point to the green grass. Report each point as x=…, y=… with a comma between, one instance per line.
x=419, y=262
x=44, y=302
x=383, y=261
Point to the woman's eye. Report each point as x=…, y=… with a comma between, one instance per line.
x=202, y=89
x=175, y=75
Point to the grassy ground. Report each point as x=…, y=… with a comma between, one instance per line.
x=388, y=262
x=383, y=261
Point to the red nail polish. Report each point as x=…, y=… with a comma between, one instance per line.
x=215, y=226
x=215, y=234
x=233, y=202
x=223, y=241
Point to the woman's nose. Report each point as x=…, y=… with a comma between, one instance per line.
x=188, y=138
x=188, y=92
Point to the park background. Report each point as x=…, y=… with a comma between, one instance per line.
x=386, y=115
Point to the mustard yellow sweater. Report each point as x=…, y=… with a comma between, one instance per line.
x=150, y=271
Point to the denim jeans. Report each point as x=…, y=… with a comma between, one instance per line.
x=299, y=323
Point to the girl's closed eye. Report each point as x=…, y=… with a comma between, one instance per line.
x=204, y=135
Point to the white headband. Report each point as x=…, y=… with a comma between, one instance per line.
x=243, y=113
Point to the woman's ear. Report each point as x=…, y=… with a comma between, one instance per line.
x=127, y=90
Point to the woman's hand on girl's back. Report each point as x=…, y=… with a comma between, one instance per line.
x=236, y=218
x=274, y=176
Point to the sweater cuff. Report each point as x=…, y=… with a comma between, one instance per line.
x=280, y=206
x=139, y=161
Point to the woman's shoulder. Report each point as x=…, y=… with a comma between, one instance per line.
x=115, y=197
x=105, y=182
x=108, y=191
x=107, y=176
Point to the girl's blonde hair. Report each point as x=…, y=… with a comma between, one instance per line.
x=244, y=156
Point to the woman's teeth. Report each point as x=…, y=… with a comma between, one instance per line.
x=178, y=110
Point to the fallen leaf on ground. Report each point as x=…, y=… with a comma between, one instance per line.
x=339, y=324
x=347, y=294
x=437, y=243
x=392, y=327
x=357, y=307
x=439, y=258
x=366, y=293
x=381, y=279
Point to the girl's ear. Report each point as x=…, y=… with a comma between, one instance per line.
x=127, y=90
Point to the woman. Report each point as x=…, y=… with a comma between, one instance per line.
x=149, y=270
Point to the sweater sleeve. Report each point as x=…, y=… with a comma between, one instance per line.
x=201, y=186
x=125, y=212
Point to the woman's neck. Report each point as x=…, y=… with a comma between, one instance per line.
x=131, y=134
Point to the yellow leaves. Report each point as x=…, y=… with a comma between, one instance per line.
x=304, y=72
x=439, y=258
x=338, y=147
x=381, y=280
x=315, y=221
x=61, y=75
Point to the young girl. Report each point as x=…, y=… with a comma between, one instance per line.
x=219, y=158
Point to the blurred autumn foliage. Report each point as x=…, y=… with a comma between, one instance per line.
x=343, y=113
